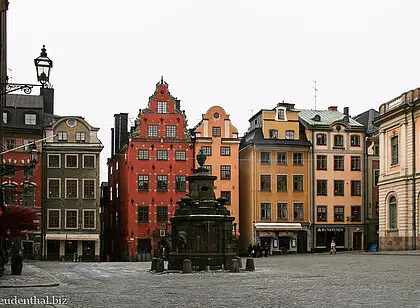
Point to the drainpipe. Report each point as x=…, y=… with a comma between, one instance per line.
x=313, y=160
x=413, y=172
x=365, y=193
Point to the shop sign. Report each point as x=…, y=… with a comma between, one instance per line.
x=330, y=229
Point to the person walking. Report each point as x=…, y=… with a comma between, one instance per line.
x=333, y=250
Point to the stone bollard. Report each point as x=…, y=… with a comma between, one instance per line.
x=250, y=266
x=234, y=267
x=160, y=266
x=186, y=266
x=153, y=264
x=239, y=261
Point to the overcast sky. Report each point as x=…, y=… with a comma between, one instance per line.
x=242, y=55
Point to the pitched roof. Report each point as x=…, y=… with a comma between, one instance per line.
x=366, y=118
x=256, y=137
x=326, y=117
x=24, y=101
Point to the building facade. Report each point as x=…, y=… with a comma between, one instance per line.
x=398, y=125
x=218, y=138
x=274, y=180
x=337, y=178
x=147, y=175
x=71, y=190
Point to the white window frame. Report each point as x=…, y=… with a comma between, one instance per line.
x=271, y=182
x=29, y=118
x=293, y=183
x=162, y=107
x=48, y=188
x=5, y=117
x=116, y=165
x=117, y=187
x=94, y=219
x=77, y=161
x=278, y=112
x=271, y=210
x=80, y=136
x=94, y=189
x=65, y=188
x=94, y=160
x=59, y=160
x=77, y=218
x=48, y=219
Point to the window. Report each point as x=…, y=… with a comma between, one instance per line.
x=225, y=151
x=355, y=163
x=162, y=183
x=53, y=219
x=322, y=187
x=338, y=163
x=116, y=165
x=28, y=195
x=71, y=219
x=143, y=155
x=162, y=155
x=88, y=189
x=152, y=131
x=170, y=131
x=273, y=133
x=206, y=150
x=10, y=192
x=376, y=177
x=356, y=187
x=355, y=140
x=143, y=182
x=338, y=213
x=53, y=160
x=88, y=161
x=321, y=162
x=265, y=211
x=282, y=211
x=265, y=182
x=356, y=213
x=53, y=188
x=290, y=134
x=227, y=195
x=321, y=213
x=117, y=190
x=208, y=167
x=338, y=188
x=80, y=137
x=297, y=159
x=88, y=219
x=297, y=182
x=10, y=143
x=71, y=160
x=5, y=117
x=281, y=114
x=30, y=119
x=321, y=139
x=338, y=140
x=394, y=150
x=265, y=158
x=216, y=131
x=62, y=136
x=143, y=214
x=180, y=183
x=225, y=172
x=161, y=107
x=162, y=214
x=297, y=211
x=71, y=188
x=281, y=182
x=180, y=155
x=393, y=213
x=281, y=158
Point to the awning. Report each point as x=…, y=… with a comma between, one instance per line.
x=277, y=226
x=72, y=237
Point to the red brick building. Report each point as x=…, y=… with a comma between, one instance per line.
x=147, y=173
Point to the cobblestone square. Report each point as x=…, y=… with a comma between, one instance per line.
x=318, y=280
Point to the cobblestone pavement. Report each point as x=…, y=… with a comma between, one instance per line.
x=318, y=280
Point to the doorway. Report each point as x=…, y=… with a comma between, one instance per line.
x=357, y=240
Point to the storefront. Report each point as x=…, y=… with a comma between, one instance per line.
x=72, y=247
x=349, y=237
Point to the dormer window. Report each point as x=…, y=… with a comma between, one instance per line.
x=5, y=117
x=316, y=118
x=281, y=114
x=30, y=119
x=161, y=107
x=290, y=134
x=62, y=136
x=80, y=137
x=273, y=133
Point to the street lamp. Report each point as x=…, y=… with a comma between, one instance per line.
x=43, y=66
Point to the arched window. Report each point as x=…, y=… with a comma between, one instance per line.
x=392, y=213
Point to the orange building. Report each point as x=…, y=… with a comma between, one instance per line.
x=274, y=181
x=219, y=140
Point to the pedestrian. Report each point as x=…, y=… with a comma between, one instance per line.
x=250, y=250
x=258, y=250
x=333, y=250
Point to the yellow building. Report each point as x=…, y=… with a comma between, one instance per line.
x=274, y=181
x=219, y=140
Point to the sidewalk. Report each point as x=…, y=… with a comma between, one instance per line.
x=396, y=252
x=31, y=277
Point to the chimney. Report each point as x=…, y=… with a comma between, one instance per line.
x=116, y=132
x=332, y=108
x=48, y=97
x=112, y=142
x=346, y=111
x=177, y=104
x=121, y=132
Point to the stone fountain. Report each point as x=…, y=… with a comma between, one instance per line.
x=202, y=225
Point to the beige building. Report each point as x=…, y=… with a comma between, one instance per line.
x=218, y=138
x=399, y=180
